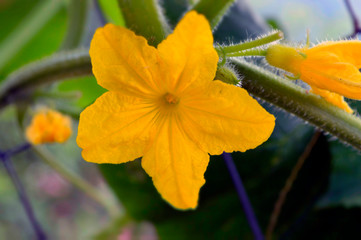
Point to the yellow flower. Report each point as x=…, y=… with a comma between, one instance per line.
x=330, y=68
x=48, y=126
x=163, y=105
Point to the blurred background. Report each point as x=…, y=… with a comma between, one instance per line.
x=326, y=194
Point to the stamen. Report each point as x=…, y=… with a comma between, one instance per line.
x=170, y=98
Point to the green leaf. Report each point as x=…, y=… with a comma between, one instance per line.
x=345, y=182
x=87, y=86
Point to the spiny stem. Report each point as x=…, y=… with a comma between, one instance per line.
x=49, y=159
x=74, y=95
x=256, y=80
x=242, y=194
x=5, y=159
x=289, y=182
x=296, y=100
x=275, y=36
x=20, y=84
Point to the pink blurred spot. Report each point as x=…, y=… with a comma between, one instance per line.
x=52, y=184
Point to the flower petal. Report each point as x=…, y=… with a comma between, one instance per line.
x=325, y=71
x=176, y=165
x=348, y=51
x=115, y=129
x=123, y=61
x=333, y=98
x=189, y=54
x=225, y=118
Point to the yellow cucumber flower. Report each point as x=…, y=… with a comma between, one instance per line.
x=330, y=68
x=48, y=126
x=164, y=106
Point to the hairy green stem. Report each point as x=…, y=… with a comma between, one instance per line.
x=20, y=84
x=145, y=18
x=259, y=82
x=94, y=194
x=274, y=36
x=296, y=100
x=214, y=10
x=77, y=17
x=250, y=52
x=31, y=24
x=73, y=95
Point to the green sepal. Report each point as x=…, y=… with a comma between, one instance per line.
x=227, y=75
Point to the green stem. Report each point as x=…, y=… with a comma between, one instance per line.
x=296, y=100
x=145, y=18
x=274, y=36
x=77, y=17
x=20, y=84
x=31, y=24
x=214, y=10
x=94, y=194
x=250, y=52
x=58, y=95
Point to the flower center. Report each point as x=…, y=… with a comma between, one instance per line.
x=171, y=99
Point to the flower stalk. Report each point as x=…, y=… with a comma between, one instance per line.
x=249, y=52
x=5, y=158
x=242, y=194
x=355, y=22
x=237, y=49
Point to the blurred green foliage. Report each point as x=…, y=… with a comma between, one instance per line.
x=44, y=43
x=326, y=194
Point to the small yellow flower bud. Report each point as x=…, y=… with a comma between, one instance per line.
x=284, y=57
x=49, y=126
x=330, y=68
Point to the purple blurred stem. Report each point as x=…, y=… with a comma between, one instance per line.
x=241, y=191
x=355, y=22
x=100, y=14
x=5, y=159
